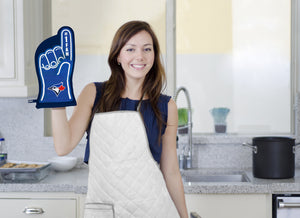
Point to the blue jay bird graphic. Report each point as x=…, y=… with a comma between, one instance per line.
x=57, y=88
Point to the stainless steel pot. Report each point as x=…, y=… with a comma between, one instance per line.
x=273, y=157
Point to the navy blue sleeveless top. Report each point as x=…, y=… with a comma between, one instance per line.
x=149, y=120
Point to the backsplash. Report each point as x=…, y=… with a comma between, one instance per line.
x=21, y=124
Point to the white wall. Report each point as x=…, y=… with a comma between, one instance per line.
x=251, y=75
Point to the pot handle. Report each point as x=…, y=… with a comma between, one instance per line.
x=295, y=147
x=254, y=148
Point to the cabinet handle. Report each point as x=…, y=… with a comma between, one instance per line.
x=33, y=210
x=282, y=204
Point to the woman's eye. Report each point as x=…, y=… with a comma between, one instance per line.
x=130, y=49
x=148, y=49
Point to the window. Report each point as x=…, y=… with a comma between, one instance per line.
x=237, y=54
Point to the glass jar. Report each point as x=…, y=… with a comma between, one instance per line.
x=3, y=150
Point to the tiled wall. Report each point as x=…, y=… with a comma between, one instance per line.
x=22, y=126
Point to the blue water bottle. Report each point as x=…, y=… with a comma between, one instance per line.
x=3, y=150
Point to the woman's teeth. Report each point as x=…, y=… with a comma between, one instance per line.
x=138, y=66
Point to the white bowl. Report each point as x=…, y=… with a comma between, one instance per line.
x=63, y=163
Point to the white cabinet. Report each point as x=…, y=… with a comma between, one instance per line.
x=81, y=205
x=71, y=205
x=24, y=24
x=46, y=205
x=230, y=205
x=6, y=39
x=58, y=208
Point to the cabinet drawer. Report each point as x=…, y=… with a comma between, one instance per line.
x=38, y=207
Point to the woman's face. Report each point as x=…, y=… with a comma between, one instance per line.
x=137, y=56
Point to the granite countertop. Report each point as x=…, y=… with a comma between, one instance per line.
x=254, y=186
x=71, y=181
x=76, y=181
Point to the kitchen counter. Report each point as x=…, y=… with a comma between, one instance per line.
x=254, y=186
x=76, y=181
x=70, y=181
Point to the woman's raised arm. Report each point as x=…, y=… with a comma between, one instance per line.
x=68, y=133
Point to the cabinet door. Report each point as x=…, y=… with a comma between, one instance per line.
x=230, y=205
x=46, y=208
x=24, y=24
x=7, y=70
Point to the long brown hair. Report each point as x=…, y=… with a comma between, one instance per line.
x=154, y=81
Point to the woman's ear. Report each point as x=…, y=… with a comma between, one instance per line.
x=118, y=61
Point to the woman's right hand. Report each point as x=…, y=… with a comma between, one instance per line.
x=68, y=133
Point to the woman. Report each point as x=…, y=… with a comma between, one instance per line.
x=137, y=75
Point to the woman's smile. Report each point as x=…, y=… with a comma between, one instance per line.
x=138, y=66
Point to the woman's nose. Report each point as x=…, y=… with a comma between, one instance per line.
x=140, y=54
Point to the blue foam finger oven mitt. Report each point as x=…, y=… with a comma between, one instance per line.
x=54, y=64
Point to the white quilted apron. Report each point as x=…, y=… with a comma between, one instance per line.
x=124, y=180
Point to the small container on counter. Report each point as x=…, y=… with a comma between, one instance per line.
x=3, y=150
x=219, y=115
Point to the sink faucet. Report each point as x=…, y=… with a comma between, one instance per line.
x=187, y=159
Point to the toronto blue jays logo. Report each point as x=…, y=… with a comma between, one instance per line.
x=57, y=88
x=54, y=63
